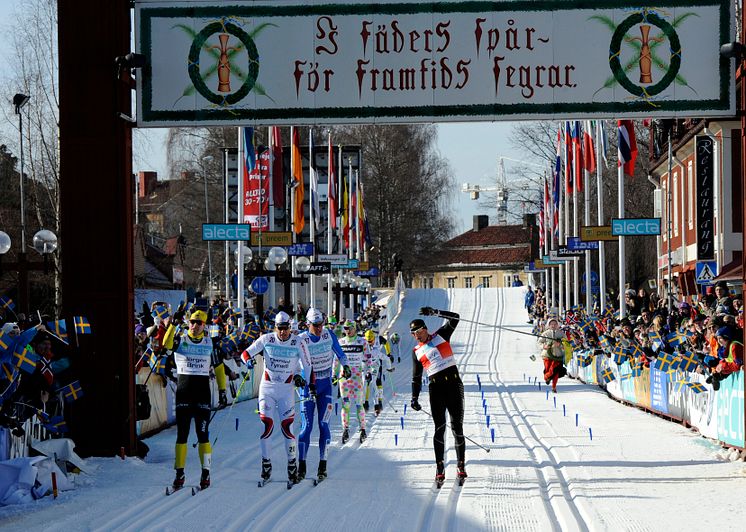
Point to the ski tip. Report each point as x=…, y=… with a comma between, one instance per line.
x=194, y=491
x=167, y=492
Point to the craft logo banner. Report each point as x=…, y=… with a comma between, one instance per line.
x=272, y=63
x=256, y=195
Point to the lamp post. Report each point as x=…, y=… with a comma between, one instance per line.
x=45, y=242
x=205, y=159
x=19, y=100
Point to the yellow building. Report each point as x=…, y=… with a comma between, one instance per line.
x=486, y=256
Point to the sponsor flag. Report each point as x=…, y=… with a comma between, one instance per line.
x=296, y=173
x=313, y=182
x=627, y=147
x=557, y=188
x=278, y=182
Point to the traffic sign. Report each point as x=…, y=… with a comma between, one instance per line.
x=259, y=285
x=706, y=271
x=301, y=249
x=273, y=238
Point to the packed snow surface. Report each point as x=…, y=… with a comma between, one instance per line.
x=543, y=472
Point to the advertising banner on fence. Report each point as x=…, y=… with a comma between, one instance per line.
x=257, y=62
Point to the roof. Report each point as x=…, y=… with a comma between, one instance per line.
x=491, y=246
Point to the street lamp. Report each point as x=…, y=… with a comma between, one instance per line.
x=302, y=264
x=19, y=100
x=205, y=159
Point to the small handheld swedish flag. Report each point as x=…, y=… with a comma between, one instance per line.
x=25, y=359
x=82, y=326
x=688, y=361
x=161, y=312
x=7, y=303
x=608, y=375
x=5, y=341
x=59, y=329
x=696, y=387
x=56, y=424
x=72, y=391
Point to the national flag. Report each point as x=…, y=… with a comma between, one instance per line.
x=296, y=173
x=7, y=303
x=557, y=188
x=59, y=329
x=589, y=150
x=161, y=312
x=577, y=156
x=620, y=356
x=82, y=326
x=603, y=139
x=586, y=361
x=24, y=358
x=688, y=361
x=634, y=350
x=544, y=218
x=9, y=371
x=679, y=385
x=214, y=331
x=665, y=362
x=313, y=182
x=45, y=368
x=676, y=338
x=5, y=341
x=42, y=415
x=603, y=341
x=345, y=215
x=332, y=192
x=637, y=371
x=586, y=325
x=568, y=158
x=278, y=183
x=249, y=153
x=654, y=337
x=627, y=154
x=608, y=375
x=696, y=387
x=541, y=225
x=362, y=217
x=609, y=311
x=72, y=391
x=57, y=424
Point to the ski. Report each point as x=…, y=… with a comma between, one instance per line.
x=170, y=490
x=461, y=481
x=195, y=490
x=319, y=480
x=263, y=482
x=439, y=482
x=290, y=484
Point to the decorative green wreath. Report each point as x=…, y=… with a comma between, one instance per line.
x=194, y=74
x=615, y=52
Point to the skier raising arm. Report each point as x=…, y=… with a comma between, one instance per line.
x=284, y=356
x=433, y=353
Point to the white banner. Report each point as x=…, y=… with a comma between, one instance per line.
x=257, y=63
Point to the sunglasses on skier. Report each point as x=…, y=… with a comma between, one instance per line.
x=283, y=327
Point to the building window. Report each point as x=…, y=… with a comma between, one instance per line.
x=485, y=282
x=451, y=282
x=507, y=279
x=468, y=282
x=690, y=196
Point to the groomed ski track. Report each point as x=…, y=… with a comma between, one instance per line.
x=542, y=472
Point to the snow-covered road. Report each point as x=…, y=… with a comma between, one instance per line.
x=543, y=471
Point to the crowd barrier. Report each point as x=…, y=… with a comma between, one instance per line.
x=719, y=415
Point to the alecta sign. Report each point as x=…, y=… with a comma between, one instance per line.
x=635, y=226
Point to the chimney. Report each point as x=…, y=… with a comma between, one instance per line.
x=480, y=221
x=146, y=183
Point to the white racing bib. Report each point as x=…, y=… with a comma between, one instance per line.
x=193, y=358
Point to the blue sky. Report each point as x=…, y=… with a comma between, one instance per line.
x=472, y=149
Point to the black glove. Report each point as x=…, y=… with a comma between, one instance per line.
x=346, y=371
x=368, y=377
x=299, y=381
x=335, y=381
x=222, y=398
x=312, y=388
x=415, y=404
x=390, y=369
x=428, y=311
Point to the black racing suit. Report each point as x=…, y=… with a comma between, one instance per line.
x=446, y=394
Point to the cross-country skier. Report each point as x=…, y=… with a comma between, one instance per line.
x=283, y=351
x=323, y=347
x=351, y=388
x=378, y=355
x=394, y=340
x=433, y=353
x=193, y=356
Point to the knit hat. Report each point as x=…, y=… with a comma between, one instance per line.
x=723, y=332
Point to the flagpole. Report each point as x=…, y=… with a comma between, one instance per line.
x=271, y=199
x=226, y=246
x=561, y=224
x=312, y=212
x=239, y=209
x=587, y=222
x=293, y=221
x=330, y=213
x=600, y=221
x=575, y=262
x=622, y=258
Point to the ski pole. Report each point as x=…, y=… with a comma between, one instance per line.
x=389, y=403
x=464, y=435
x=235, y=399
x=501, y=327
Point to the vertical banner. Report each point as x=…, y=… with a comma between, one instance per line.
x=256, y=194
x=705, y=207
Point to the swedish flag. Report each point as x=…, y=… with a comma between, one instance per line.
x=25, y=359
x=59, y=329
x=161, y=312
x=696, y=387
x=5, y=341
x=56, y=424
x=665, y=362
x=214, y=331
x=676, y=338
x=603, y=340
x=688, y=361
x=619, y=356
x=7, y=303
x=637, y=371
x=82, y=326
x=634, y=350
x=587, y=361
x=9, y=371
x=608, y=375
x=72, y=391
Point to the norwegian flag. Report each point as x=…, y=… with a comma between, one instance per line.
x=627, y=154
x=577, y=156
x=589, y=150
x=556, y=188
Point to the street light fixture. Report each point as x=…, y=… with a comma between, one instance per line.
x=302, y=264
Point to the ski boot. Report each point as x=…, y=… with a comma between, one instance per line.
x=179, y=480
x=321, y=474
x=292, y=472
x=366, y=406
x=204, y=481
x=266, y=469
x=378, y=407
x=345, y=435
x=461, y=473
x=440, y=474
x=301, y=470
x=363, y=435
